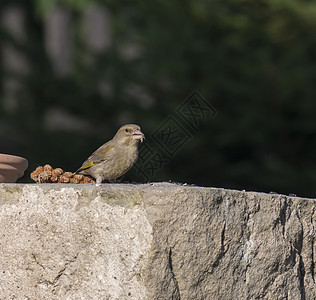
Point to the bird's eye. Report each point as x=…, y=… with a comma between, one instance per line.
x=127, y=130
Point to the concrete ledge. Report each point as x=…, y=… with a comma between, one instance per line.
x=154, y=241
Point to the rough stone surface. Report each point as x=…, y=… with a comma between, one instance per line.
x=154, y=241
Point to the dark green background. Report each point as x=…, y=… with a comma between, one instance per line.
x=254, y=61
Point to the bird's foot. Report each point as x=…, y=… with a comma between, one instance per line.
x=98, y=181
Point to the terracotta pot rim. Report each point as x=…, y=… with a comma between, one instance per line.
x=11, y=155
x=12, y=167
x=13, y=160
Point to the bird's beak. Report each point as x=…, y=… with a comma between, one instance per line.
x=138, y=135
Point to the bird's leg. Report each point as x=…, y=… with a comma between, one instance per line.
x=98, y=181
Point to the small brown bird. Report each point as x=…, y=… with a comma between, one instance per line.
x=114, y=158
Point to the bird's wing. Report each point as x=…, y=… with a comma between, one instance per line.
x=98, y=156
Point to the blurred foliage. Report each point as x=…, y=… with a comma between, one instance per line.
x=255, y=61
x=42, y=7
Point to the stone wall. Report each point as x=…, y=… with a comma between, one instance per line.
x=154, y=241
